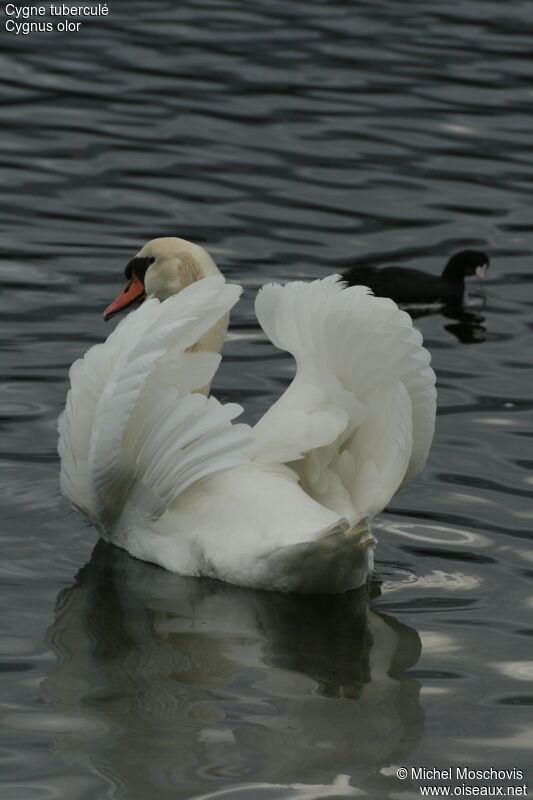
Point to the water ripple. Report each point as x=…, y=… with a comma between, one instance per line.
x=292, y=140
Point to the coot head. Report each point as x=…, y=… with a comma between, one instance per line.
x=465, y=263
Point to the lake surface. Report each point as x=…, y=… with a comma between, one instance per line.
x=291, y=139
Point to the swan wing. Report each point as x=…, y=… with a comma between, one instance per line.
x=134, y=434
x=88, y=378
x=357, y=420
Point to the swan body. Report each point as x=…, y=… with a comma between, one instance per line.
x=162, y=470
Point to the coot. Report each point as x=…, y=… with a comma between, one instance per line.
x=407, y=286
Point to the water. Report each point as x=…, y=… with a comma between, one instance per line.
x=290, y=138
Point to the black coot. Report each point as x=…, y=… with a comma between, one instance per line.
x=407, y=286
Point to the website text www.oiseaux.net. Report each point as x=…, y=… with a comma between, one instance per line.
x=464, y=782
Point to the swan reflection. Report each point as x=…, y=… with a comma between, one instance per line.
x=190, y=686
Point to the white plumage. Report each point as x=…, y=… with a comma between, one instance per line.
x=163, y=471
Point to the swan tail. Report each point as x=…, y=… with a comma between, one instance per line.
x=338, y=560
x=134, y=431
x=357, y=420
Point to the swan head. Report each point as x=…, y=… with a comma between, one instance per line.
x=160, y=269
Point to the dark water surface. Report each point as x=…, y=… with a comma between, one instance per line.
x=289, y=138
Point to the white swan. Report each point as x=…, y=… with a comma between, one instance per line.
x=162, y=471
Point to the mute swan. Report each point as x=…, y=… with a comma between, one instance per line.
x=162, y=471
x=406, y=285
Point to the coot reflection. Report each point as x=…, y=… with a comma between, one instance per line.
x=467, y=326
x=193, y=685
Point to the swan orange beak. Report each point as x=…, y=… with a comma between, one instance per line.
x=132, y=293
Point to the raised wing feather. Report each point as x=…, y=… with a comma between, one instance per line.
x=88, y=378
x=131, y=427
x=357, y=420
